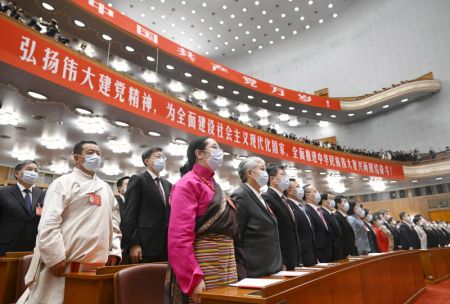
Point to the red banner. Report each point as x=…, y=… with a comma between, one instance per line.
x=115, y=18
x=43, y=57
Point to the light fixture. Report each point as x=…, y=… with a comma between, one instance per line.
x=307, y=171
x=119, y=146
x=293, y=123
x=220, y=87
x=330, y=5
x=235, y=92
x=352, y=177
x=304, y=111
x=263, y=122
x=335, y=15
x=60, y=167
x=23, y=154
x=204, y=81
x=169, y=67
x=120, y=65
x=291, y=108
x=278, y=105
x=83, y=111
x=243, y=108
x=250, y=97
x=199, y=95
x=224, y=113
x=36, y=95
x=106, y=37
x=176, y=86
x=244, y=118
x=47, y=6
x=385, y=106
x=188, y=75
x=323, y=173
x=283, y=117
x=154, y=134
x=79, y=23
x=393, y=182
x=91, y=125
x=264, y=101
x=150, y=58
x=318, y=114
x=262, y=113
x=333, y=116
x=9, y=117
x=180, y=141
x=439, y=178
x=221, y=101
x=111, y=169
x=369, y=113
x=377, y=185
x=307, y=27
x=121, y=124
x=351, y=114
x=323, y=124
x=365, y=178
x=405, y=100
x=414, y=181
x=53, y=143
x=310, y=2
x=149, y=76
x=129, y=48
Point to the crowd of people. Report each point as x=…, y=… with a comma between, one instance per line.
x=268, y=224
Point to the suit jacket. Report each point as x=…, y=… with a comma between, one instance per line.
x=146, y=216
x=121, y=211
x=289, y=243
x=305, y=234
x=18, y=229
x=348, y=235
x=396, y=234
x=324, y=242
x=409, y=237
x=258, y=234
x=336, y=235
x=372, y=237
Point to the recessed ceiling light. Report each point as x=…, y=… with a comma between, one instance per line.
x=294, y=32
x=283, y=15
x=204, y=81
x=296, y=9
x=233, y=49
x=235, y=92
x=226, y=43
x=142, y=15
x=293, y=122
x=47, y=6
x=365, y=178
x=351, y=114
x=129, y=49
x=385, y=106
x=323, y=173
x=170, y=67
x=180, y=141
x=256, y=3
x=291, y=108
x=254, y=39
x=304, y=111
x=271, y=42
x=121, y=123
x=204, y=4
x=264, y=101
x=83, y=111
x=333, y=116
x=249, y=51
x=244, y=9
x=320, y=21
x=369, y=113
x=193, y=12
x=352, y=177
x=302, y=18
x=236, y=37
x=277, y=29
x=439, y=178
x=152, y=133
x=330, y=5
x=240, y=24
x=318, y=114
x=220, y=87
x=278, y=105
x=250, y=97
x=79, y=23
x=393, y=182
x=232, y=16
x=150, y=58
x=221, y=22
x=270, y=21
x=310, y=2
x=153, y=8
x=405, y=100
x=283, y=117
x=263, y=12
x=307, y=27
x=307, y=171
x=36, y=95
x=106, y=37
x=335, y=15
x=414, y=181
x=224, y=7
x=282, y=37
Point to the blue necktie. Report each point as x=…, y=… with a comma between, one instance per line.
x=28, y=201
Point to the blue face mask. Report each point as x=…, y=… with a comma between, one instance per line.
x=263, y=178
x=317, y=198
x=284, y=183
x=92, y=162
x=159, y=164
x=299, y=193
x=215, y=159
x=30, y=176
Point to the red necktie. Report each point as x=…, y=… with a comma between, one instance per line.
x=322, y=217
x=161, y=191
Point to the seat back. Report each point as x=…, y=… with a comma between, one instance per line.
x=140, y=284
x=24, y=264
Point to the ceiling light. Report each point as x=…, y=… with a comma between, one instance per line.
x=264, y=101
x=333, y=116
x=263, y=12
x=36, y=95
x=23, y=154
x=176, y=87
x=278, y=104
x=352, y=177
x=244, y=118
x=153, y=8
x=60, y=167
x=302, y=18
x=393, y=182
x=304, y=111
x=193, y=12
x=221, y=101
x=277, y=29
x=414, y=181
x=149, y=76
x=293, y=123
x=310, y=2
x=142, y=15
x=199, y=95
x=405, y=100
x=385, y=106
x=335, y=15
x=282, y=37
x=243, y=108
x=377, y=185
x=111, y=169
x=330, y=5
x=307, y=27
x=79, y=23
x=250, y=97
x=91, y=125
x=224, y=7
x=294, y=32
x=254, y=39
x=318, y=114
x=235, y=92
x=320, y=21
x=129, y=49
x=369, y=113
x=283, y=15
x=180, y=141
x=256, y=3
x=283, y=117
x=83, y=111
x=262, y=113
x=106, y=37
x=240, y=24
x=296, y=9
x=47, y=6
x=307, y=171
x=9, y=117
x=323, y=173
x=233, y=49
x=120, y=65
x=323, y=124
x=53, y=143
x=121, y=123
x=351, y=114
x=258, y=27
x=153, y=133
x=365, y=178
x=236, y=37
x=263, y=122
x=232, y=16
x=177, y=149
x=204, y=81
x=270, y=21
x=271, y=42
x=204, y=4
x=150, y=58
x=170, y=67
x=224, y=113
x=188, y=74
x=439, y=178
x=220, y=87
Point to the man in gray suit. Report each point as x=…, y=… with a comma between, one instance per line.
x=258, y=228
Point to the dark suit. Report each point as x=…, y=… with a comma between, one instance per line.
x=289, y=243
x=348, y=236
x=305, y=234
x=18, y=228
x=324, y=242
x=336, y=235
x=372, y=238
x=146, y=216
x=258, y=234
x=121, y=211
x=396, y=235
x=409, y=237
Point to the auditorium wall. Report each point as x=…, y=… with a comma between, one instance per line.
x=371, y=45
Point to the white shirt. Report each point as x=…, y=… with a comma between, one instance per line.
x=21, y=187
x=153, y=175
x=258, y=195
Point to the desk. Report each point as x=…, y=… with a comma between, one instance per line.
x=388, y=278
x=435, y=264
x=9, y=265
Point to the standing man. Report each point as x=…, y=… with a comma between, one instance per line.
x=147, y=210
x=259, y=239
x=327, y=204
x=20, y=209
x=305, y=230
x=121, y=185
x=324, y=245
x=408, y=236
x=348, y=235
x=277, y=201
x=79, y=229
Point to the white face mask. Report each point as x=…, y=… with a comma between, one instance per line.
x=346, y=206
x=92, y=162
x=284, y=182
x=215, y=159
x=263, y=178
x=331, y=203
x=369, y=218
x=299, y=193
x=379, y=222
x=30, y=176
x=317, y=197
x=159, y=164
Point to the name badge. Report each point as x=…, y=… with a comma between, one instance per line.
x=95, y=199
x=38, y=211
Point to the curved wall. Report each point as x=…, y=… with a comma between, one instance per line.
x=371, y=45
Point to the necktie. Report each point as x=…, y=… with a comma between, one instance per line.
x=284, y=199
x=28, y=201
x=319, y=210
x=160, y=189
x=302, y=209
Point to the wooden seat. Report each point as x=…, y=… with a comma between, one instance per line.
x=24, y=264
x=140, y=284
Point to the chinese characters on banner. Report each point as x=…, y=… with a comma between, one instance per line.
x=45, y=58
x=115, y=18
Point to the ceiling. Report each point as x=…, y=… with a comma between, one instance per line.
x=231, y=27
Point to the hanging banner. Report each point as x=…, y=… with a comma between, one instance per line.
x=116, y=19
x=41, y=56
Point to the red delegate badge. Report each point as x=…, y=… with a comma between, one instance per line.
x=95, y=199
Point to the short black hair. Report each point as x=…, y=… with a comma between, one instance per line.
x=416, y=218
x=338, y=199
x=148, y=153
x=376, y=216
x=22, y=164
x=272, y=170
x=78, y=148
x=121, y=180
x=324, y=196
x=197, y=144
x=402, y=215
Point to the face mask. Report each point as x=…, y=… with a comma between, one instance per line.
x=362, y=213
x=124, y=189
x=317, y=198
x=263, y=178
x=332, y=204
x=379, y=222
x=346, y=206
x=370, y=218
x=284, y=183
x=159, y=164
x=215, y=159
x=92, y=162
x=299, y=193
x=30, y=176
